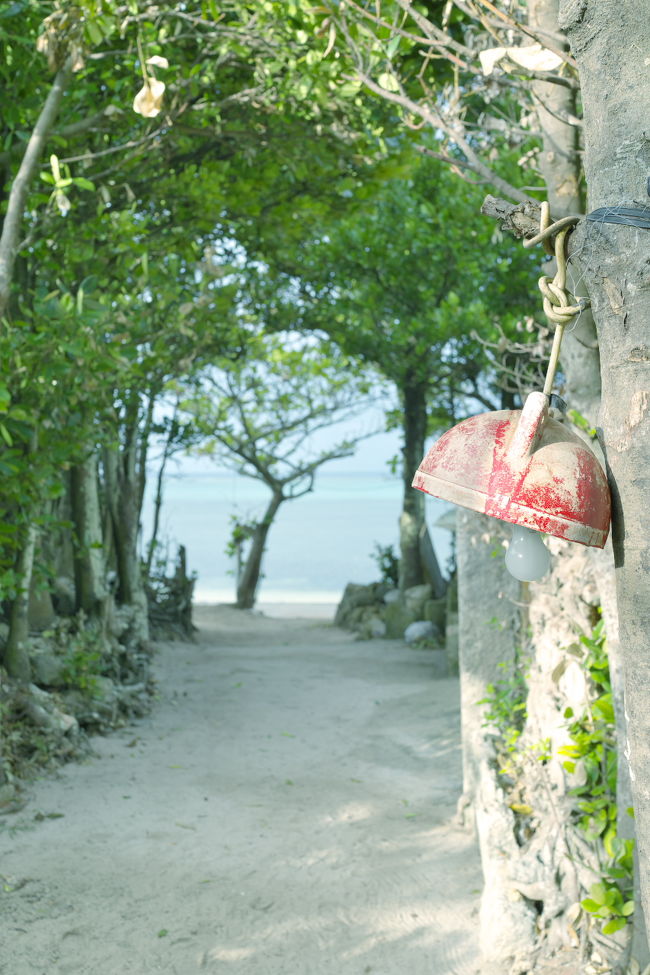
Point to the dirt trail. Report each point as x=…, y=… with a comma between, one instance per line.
x=287, y=809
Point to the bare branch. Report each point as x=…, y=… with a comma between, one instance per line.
x=436, y=120
x=433, y=36
x=520, y=221
x=456, y=164
x=516, y=25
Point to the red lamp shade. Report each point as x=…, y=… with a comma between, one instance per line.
x=522, y=467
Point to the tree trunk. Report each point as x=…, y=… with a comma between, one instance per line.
x=158, y=499
x=123, y=494
x=489, y=622
x=89, y=565
x=559, y=163
x=565, y=600
x=414, y=426
x=16, y=659
x=157, y=508
x=250, y=577
x=10, y=239
x=610, y=41
x=489, y=634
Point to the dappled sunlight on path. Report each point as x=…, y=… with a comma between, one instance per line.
x=287, y=809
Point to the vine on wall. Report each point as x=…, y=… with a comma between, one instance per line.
x=590, y=760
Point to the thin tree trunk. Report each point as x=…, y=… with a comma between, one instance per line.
x=560, y=166
x=144, y=436
x=123, y=494
x=89, y=565
x=157, y=508
x=16, y=659
x=126, y=535
x=10, y=238
x=610, y=42
x=250, y=577
x=414, y=426
x=158, y=500
x=122, y=503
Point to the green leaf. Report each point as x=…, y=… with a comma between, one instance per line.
x=615, y=924
x=591, y=905
x=598, y=892
x=83, y=183
x=388, y=81
x=93, y=32
x=392, y=45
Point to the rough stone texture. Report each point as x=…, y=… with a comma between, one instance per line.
x=398, y=616
x=355, y=597
x=41, y=610
x=506, y=921
x=120, y=621
x=376, y=627
x=416, y=597
x=610, y=40
x=451, y=642
x=47, y=668
x=561, y=607
x=420, y=630
x=489, y=622
x=432, y=572
x=488, y=627
x=63, y=596
x=42, y=711
x=435, y=610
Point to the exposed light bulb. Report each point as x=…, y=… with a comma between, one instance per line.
x=527, y=558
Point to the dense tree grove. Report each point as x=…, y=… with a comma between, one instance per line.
x=225, y=222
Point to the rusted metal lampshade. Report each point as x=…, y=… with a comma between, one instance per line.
x=525, y=468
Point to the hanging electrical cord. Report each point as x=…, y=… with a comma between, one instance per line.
x=557, y=306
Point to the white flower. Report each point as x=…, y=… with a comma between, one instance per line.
x=148, y=101
x=533, y=56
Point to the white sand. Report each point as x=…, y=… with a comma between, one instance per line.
x=306, y=611
x=286, y=809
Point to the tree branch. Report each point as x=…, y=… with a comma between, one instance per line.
x=520, y=221
x=436, y=121
x=510, y=22
x=20, y=185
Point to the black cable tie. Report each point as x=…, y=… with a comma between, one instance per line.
x=628, y=216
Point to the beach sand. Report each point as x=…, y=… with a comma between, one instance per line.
x=308, y=611
x=287, y=808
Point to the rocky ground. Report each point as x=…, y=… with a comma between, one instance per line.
x=287, y=808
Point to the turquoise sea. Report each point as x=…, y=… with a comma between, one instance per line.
x=317, y=544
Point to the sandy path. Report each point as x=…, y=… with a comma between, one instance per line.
x=287, y=809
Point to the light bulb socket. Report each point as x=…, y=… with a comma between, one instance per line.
x=557, y=403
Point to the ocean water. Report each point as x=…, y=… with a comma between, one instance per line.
x=317, y=544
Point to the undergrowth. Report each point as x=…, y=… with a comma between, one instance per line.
x=590, y=756
x=593, y=754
